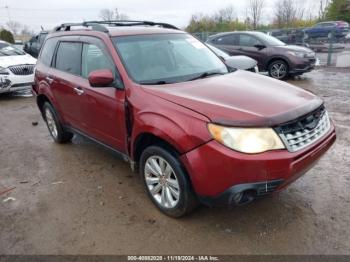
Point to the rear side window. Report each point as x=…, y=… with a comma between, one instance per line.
x=48, y=51
x=94, y=59
x=226, y=40
x=68, y=57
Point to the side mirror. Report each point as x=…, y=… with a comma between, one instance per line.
x=260, y=47
x=101, y=78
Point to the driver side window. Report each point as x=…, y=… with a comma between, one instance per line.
x=247, y=40
x=93, y=58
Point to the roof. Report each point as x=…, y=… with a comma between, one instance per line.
x=237, y=32
x=140, y=30
x=116, y=28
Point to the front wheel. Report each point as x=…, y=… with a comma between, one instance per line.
x=279, y=70
x=166, y=182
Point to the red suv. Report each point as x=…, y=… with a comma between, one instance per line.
x=196, y=130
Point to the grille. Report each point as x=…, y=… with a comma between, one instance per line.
x=304, y=132
x=22, y=69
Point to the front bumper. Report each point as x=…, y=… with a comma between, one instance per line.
x=303, y=65
x=13, y=83
x=218, y=173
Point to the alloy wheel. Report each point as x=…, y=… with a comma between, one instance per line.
x=162, y=182
x=279, y=70
x=51, y=124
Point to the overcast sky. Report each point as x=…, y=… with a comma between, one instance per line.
x=50, y=13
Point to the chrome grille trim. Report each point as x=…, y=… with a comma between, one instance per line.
x=22, y=70
x=297, y=140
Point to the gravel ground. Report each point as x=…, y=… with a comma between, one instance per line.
x=80, y=199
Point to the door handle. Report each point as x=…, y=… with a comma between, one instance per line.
x=49, y=79
x=79, y=90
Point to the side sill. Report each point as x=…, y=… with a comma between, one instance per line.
x=119, y=154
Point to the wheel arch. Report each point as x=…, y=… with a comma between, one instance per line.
x=147, y=139
x=41, y=100
x=276, y=58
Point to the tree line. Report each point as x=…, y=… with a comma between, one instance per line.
x=286, y=14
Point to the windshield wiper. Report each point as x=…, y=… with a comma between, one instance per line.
x=205, y=75
x=155, y=83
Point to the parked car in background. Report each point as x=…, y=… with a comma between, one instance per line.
x=194, y=129
x=33, y=46
x=19, y=44
x=325, y=29
x=289, y=36
x=277, y=58
x=16, y=69
x=239, y=62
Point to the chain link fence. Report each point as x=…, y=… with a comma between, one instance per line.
x=331, y=50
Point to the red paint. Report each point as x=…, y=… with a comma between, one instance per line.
x=179, y=114
x=100, y=78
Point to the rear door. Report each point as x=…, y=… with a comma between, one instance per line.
x=103, y=108
x=66, y=80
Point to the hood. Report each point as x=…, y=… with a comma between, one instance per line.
x=240, y=98
x=296, y=48
x=6, y=61
x=241, y=62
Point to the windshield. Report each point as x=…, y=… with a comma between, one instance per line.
x=9, y=50
x=270, y=40
x=167, y=58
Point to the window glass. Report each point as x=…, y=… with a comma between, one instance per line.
x=48, y=50
x=10, y=50
x=247, y=40
x=94, y=59
x=166, y=58
x=68, y=58
x=226, y=40
x=42, y=37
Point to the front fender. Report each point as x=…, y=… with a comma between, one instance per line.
x=181, y=130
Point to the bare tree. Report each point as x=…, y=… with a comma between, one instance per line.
x=323, y=9
x=254, y=11
x=110, y=15
x=120, y=16
x=107, y=14
x=226, y=14
x=287, y=12
x=26, y=31
x=14, y=27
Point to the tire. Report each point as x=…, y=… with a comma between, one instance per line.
x=172, y=191
x=279, y=69
x=56, y=129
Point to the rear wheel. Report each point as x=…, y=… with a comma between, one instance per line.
x=56, y=129
x=166, y=182
x=279, y=70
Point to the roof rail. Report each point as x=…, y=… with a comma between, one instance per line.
x=94, y=26
x=99, y=25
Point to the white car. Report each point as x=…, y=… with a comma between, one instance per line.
x=239, y=62
x=16, y=69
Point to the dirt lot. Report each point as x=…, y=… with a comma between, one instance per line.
x=80, y=199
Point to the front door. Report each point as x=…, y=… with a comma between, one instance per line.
x=103, y=109
x=249, y=46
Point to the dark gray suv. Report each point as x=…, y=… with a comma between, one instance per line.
x=277, y=58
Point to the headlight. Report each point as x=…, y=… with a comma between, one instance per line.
x=3, y=71
x=246, y=140
x=297, y=54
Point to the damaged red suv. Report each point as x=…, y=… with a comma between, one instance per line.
x=196, y=130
